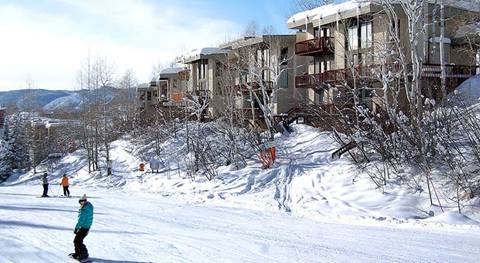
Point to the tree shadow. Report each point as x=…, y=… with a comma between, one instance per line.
x=16, y=223
x=30, y=208
x=99, y=260
x=52, y=196
x=19, y=194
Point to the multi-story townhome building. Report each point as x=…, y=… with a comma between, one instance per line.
x=336, y=38
x=204, y=67
x=267, y=63
x=176, y=79
x=150, y=97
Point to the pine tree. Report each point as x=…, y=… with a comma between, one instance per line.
x=6, y=160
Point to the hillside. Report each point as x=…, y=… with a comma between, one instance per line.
x=41, y=96
x=305, y=181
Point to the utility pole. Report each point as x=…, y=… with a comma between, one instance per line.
x=442, y=54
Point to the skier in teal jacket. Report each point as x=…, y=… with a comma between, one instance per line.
x=85, y=220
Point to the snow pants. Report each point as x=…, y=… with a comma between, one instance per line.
x=66, y=192
x=45, y=190
x=80, y=248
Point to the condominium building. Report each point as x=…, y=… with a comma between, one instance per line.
x=337, y=40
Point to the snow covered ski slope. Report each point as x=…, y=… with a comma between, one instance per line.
x=150, y=228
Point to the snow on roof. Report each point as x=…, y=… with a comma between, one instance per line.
x=468, y=93
x=446, y=40
x=326, y=12
x=250, y=41
x=470, y=5
x=143, y=86
x=59, y=123
x=172, y=70
x=205, y=52
x=468, y=30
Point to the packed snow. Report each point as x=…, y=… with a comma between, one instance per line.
x=468, y=93
x=142, y=227
x=307, y=208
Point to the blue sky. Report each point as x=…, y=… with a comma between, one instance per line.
x=47, y=40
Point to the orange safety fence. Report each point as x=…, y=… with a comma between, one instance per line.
x=177, y=97
x=268, y=156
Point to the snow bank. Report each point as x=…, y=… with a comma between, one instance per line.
x=305, y=181
x=468, y=93
x=453, y=218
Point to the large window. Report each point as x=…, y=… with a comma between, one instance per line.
x=366, y=35
x=353, y=38
x=202, y=69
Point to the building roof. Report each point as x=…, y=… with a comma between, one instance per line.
x=249, y=41
x=204, y=53
x=329, y=12
x=472, y=29
x=172, y=70
x=332, y=12
x=143, y=86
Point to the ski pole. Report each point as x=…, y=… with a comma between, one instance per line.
x=58, y=192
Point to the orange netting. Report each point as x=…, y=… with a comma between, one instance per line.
x=268, y=156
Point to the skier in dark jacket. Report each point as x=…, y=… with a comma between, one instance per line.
x=44, y=180
x=85, y=219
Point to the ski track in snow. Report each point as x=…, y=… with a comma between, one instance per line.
x=245, y=215
x=150, y=228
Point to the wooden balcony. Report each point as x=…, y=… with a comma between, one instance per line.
x=366, y=73
x=317, y=81
x=316, y=46
x=247, y=113
x=451, y=71
x=245, y=88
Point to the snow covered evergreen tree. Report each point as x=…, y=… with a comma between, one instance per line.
x=7, y=159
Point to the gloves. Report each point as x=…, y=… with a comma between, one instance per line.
x=75, y=231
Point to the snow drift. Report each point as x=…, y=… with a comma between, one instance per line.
x=305, y=181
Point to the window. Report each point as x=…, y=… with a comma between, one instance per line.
x=283, y=81
x=319, y=97
x=316, y=65
x=353, y=38
x=325, y=32
x=202, y=69
x=477, y=61
x=284, y=56
x=325, y=66
x=355, y=59
x=366, y=35
x=316, y=32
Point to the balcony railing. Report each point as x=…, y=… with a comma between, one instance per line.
x=451, y=71
x=316, y=81
x=245, y=88
x=316, y=46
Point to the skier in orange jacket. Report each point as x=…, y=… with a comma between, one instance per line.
x=65, y=185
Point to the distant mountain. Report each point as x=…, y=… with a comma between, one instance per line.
x=55, y=100
x=72, y=102
x=41, y=97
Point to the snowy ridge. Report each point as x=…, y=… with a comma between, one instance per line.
x=72, y=101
